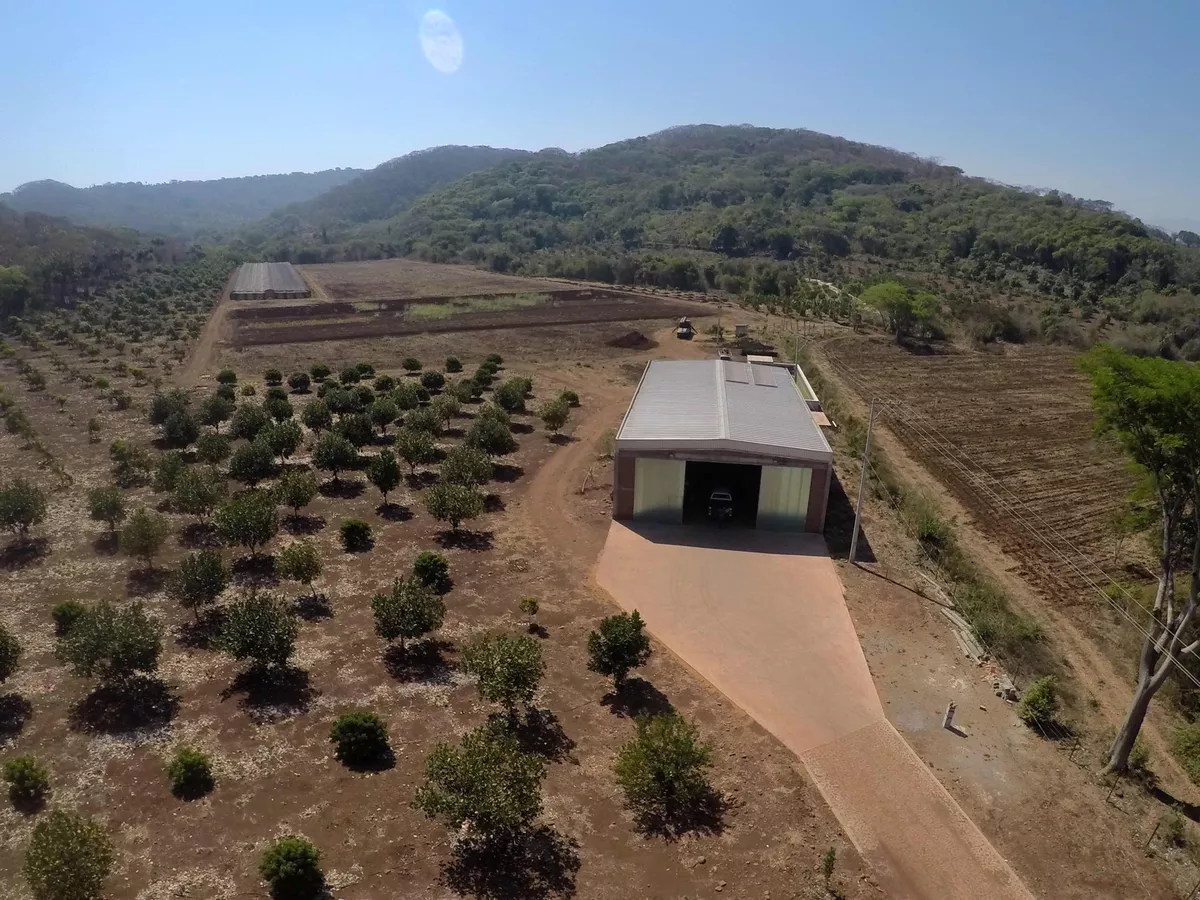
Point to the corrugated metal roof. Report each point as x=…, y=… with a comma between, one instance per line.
x=256, y=278
x=693, y=403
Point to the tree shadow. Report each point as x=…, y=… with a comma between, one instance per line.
x=140, y=701
x=423, y=662
x=465, y=540
x=145, y=581
x=200, y=536
x=201, y=633
x=538, y=630
x=311, y=607
x=342, y=488
x=106, y=544
x=506, y=473
x=635, y=698
x=531, y=865
x=705, y=815
x=22, y=554
x=562, y=439
x=493, y=503
x=255, y=570
x=521, y=428
x=272, y=694
x=193, y=789
x=384, y=760
x=394, y=512
x=421, y=479
x=26, y=804
x=1191, y=810
x=15, y=711
x=453, y=432
x=302, y=524
x=539, y=732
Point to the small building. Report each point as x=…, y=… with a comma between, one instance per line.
x=269, y=281
x=699, y=426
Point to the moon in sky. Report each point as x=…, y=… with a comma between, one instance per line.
x=441, y=42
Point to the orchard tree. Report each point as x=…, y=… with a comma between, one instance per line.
x=384, y=472
x=273, y=376
x=107, y=504
x=278, y=408
x=296, y=490
x=300, y=561
x=113, y=644
x=620, y=644
x=663, y=770
x=199, y=581
x=299, y=382
x=165, y=405
x=453, y=503
x=410, y=610
x=415, y=447
x=406, y=396
x=316, y=416
x=248, y=519
x=198, y=492
x=510, y=395
x=215, y=409
x=69, y=858
x=259, y=628
x=508, y=669
x=212, y=447
x=356, y=428
x=252, y=462
x=432, y=380
x=905, y=311
x=284, y=438
x=144, y=534
x=320, y=371
x=1150, y=407
x=485, y=784
x=554, y=414
x=491, y=436
x=446, y=406
x=10, y=654
x=334, y=454
x=22, y=505
x=426, y=419
x=131, y=464
x=466, y=466
x=167, y=470
x=180, y=430
x=411, y=365
x=248, y=421
x=383, y=413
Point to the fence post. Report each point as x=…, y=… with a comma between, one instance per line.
x=862, y=480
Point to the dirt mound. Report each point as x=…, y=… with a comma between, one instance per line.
x=633, y=340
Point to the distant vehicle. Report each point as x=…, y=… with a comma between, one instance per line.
x=724, y=354
x=684, y=330
x=720, y=506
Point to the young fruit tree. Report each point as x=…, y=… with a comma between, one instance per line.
x=508, y=668
x=69, y=858
x=259, y=628
x=253, y=462
x=143, y=535
x=415, y=447
x=486, y=784
x=334, y=454
x=107, y=504
x=167, y=471
x=491, y=435
x=212, y=448
x=296, y=490
x=248, y=519
x=432, y=570
x=22, y=505
x=620, y=644
x=383, y=412
x=554, y=414
x=198, y=492
x=300, y=561
x=453, y=503
x=361, y=739
x=1151, y=408
x=384, y=472
x=112, y=644
x=467, y=466
x=410, y=610
x=292, y=867
x=316, y=416
x=10, y=654
x=662, y=771
x=199, y=581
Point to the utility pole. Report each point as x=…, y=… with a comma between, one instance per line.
x=862, y=479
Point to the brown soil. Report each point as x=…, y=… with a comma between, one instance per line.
x=413, y=278
x=633, y=340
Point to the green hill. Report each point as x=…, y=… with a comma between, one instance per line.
x=181, y=208
x=27, y=237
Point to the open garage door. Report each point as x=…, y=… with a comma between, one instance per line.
x=658, y=490
x=783, y=498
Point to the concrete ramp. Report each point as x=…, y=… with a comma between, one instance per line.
x=761, y=616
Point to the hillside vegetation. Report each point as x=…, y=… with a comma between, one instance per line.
x=26, y=238
x=182, y=208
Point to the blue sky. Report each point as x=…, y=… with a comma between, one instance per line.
x=1099, y=99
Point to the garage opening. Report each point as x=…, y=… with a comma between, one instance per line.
x=741, y=481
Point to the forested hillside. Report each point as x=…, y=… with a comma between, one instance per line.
x=383, y=192
x=182, y=208
x=27, y=237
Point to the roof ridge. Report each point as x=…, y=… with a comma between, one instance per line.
x=722, y=399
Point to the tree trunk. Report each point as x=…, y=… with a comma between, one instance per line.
x=1135, y=715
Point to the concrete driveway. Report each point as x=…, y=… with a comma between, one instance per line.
x=761, y=616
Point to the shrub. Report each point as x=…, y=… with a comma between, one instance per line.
x=296, y=489
x=190, y=773
x=411, y=364
x=292, y=867
x=1039, y=703
x=261, y=629
x=453, y=364
x=350, y=375
x=620, y=644
x=167, y=471
x=335, y=454
x=248, y=519
x=384, y=472
x=384, y=384
x=415, y=448
x=199, y=581
x=10, y=653
x=227, y=376
x=131, y=464
x=662, y=771
x=65, y=615
x=510, y=395
x=107, y=504
x=320, y=372
x=143, y=535
x=199, y=491
x=112, y=644
x=529, y=606
x=300, y=562
x=554, y=414
x=212, y=447
x=363, y=397
x=467, y=466
x=485, y=783
x=252, y=462
x=494, y=359
x=463, y=391
x=407, y=395
x=508, y=668
x=361, y=738
x=356, y=535
x=316, y=416
x=216, y=409
x=1172, y=827
x=408, y=611
x=28, y=783
x=432, y=570
x=571, y=398
x=365, y=369
x=433, y=381
x=248, y=421
x=453, y=503
x=299, y=382
x=180, y=430
x=69, y=858
x=273, y=376
x=1186, y=746
x=22, y=505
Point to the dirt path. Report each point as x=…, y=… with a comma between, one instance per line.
x=204, y=352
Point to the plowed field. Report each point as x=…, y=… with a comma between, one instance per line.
x=1010, y=434
x=413, y=278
